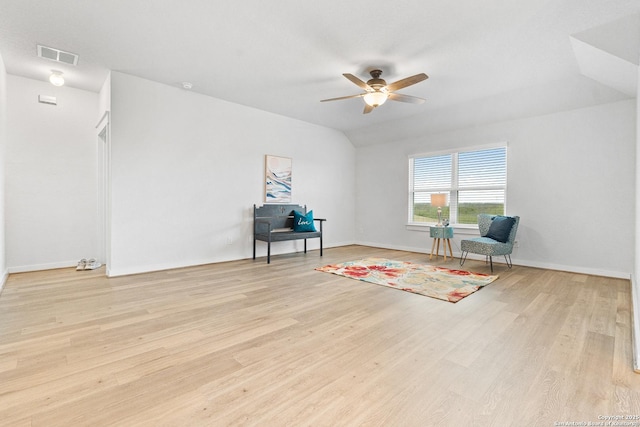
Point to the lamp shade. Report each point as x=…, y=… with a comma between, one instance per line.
x=439, y=200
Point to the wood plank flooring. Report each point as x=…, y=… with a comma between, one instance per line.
x=246, y=343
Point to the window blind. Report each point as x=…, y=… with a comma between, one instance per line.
x=475, y=182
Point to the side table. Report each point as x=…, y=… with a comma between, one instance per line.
x=438, y=233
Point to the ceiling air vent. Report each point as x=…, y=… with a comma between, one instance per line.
x=57, y=55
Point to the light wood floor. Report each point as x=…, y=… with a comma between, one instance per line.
x=246, y=343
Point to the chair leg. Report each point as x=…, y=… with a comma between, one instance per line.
x=508, y=261
x=463, y=257
x=491, y=263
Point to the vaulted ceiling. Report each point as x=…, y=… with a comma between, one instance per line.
x=486, y=60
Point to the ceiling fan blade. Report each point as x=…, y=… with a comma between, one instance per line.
x=405, y=98
x=358, y=82
x=342, y=97
x=367, y=109
x=407, y=82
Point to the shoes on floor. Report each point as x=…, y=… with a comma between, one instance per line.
x=90, y=264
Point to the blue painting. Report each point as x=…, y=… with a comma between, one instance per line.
x=277, y=179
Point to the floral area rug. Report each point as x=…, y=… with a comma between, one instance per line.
x=435, y=282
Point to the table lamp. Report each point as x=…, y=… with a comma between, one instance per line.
x=439, y=200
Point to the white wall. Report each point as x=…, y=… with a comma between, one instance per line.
x=187, y=169
x=3, y=143
x=559, y=167
x=50, y=176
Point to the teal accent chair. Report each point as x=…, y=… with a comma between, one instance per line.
x=487, y=246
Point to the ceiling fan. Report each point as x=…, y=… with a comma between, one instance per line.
x=377, y=91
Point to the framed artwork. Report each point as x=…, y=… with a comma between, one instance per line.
x=277, y=180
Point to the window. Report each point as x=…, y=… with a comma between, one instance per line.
x=474, y=182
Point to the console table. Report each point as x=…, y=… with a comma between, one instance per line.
x=441, y=233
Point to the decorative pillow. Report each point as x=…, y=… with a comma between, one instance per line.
x=500, y=228
x=302, y=222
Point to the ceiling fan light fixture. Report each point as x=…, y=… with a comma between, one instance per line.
x=376, y=98
x=377, y=91
x=56, y=78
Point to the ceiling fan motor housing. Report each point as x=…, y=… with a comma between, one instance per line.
x=376, y=82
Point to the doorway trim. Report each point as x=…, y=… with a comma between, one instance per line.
x=104, y=190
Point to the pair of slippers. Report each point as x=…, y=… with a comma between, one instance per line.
x=88, y=264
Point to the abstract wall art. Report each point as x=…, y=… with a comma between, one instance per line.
x=277, y=179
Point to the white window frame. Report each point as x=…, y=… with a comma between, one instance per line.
x=454, y=188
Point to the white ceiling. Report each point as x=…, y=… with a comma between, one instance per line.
x=284, y=56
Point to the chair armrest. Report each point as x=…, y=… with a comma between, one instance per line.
x=319, y=219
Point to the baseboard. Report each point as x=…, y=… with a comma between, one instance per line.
x=39, y=267
x=141, y=269
x=635, y=324
x=150, y=268
x=275, y=251
x=516, y=261
x=573, y=269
